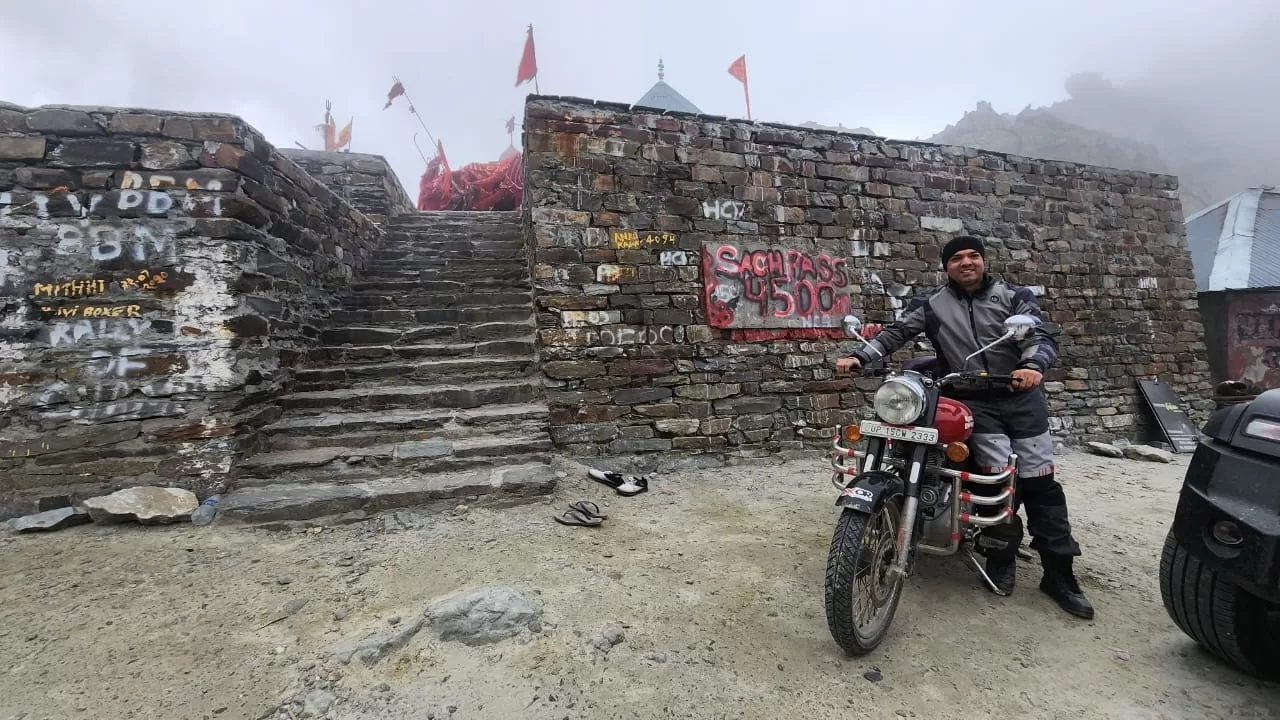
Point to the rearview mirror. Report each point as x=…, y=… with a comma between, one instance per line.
x=1018, y=326
x=853, y=326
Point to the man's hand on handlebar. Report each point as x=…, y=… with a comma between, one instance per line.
x=849, y=364
x=1025, y=379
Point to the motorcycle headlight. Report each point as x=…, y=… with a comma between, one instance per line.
x=899, y=401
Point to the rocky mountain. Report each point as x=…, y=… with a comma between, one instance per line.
x=1208, y=114
x=1040, y=133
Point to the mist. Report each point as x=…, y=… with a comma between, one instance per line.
x=905, y=70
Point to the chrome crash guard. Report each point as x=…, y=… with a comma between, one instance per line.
x=850, y=467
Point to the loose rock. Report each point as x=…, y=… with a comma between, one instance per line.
x=1148, y=453
x=317, y=703
x=375, y=647
x=485, y=616
x=611, y=635
x=50, y=520
x=1106, y=450
x=146, y=505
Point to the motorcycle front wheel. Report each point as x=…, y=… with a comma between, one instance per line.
x=860, y=598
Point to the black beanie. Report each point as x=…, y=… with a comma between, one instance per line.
x=963, y=242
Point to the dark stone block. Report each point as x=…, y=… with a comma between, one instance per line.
x=93, y=153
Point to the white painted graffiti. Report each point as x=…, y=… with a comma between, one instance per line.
x=724, y=209
x=117, y=363
x=134, y=409
x=137, y=181
x=10, y=272
x=108, y=242
x=123, y=330
x=648, y=335
x=151, y=202
x=674, y=257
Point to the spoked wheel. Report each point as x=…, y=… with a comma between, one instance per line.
x=861, y=599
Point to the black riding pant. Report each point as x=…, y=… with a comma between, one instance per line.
x=1018, y=422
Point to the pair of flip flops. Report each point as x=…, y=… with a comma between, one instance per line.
x=583, y=512
x=623, y=484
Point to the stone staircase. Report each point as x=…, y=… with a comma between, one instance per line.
x=423, y=389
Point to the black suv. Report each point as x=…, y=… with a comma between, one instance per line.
x=1220, y=570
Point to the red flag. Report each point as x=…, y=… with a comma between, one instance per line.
x=739, y=70
x=396, y=91
x=344, y=136
x=528, y=61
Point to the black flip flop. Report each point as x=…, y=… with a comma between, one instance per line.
x=576, y=517
x=588, y=508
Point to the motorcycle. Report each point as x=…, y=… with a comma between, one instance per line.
x=913, y=488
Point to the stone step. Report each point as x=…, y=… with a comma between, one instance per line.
x=433, y=253
x=359, y=354
x=503, y=484
x=401, y=238
x=428, y=300
x=459, y=265
x=466, y=216
x=421, y=240
x=470, y=276
x=379, y=335
x=412, y=335
x=429, y=455
x=400, y=287
x=446, y=371
x=460, y=395
x=432, y=316
x=361, y=429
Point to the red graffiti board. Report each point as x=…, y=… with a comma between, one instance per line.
x=769, y=286
x=1253, y=340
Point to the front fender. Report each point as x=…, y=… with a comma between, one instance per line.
x=869, y=490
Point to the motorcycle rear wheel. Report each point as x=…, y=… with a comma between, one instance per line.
x=860, y=601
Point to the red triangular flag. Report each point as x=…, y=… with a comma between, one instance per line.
x=396, y=91
x=528, y=61
x=739, y=69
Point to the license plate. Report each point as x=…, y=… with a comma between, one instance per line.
x=893, y=432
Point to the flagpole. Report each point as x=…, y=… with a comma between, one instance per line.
x=414, y=110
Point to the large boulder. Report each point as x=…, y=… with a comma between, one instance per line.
x=485, y=616
x=146, y=505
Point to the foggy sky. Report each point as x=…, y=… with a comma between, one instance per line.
x=904, y=69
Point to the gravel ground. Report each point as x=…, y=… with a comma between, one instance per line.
x=699, y=599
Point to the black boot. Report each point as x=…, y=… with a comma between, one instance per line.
x=1059, y=583
x=1003, y=573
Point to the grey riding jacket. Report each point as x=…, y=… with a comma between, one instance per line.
x=957, y=323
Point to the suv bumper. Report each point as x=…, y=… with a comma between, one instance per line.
x=1225, y=485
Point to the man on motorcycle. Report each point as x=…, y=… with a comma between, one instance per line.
x=958, y=318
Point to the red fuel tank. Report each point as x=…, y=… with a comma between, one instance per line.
x=955, y=421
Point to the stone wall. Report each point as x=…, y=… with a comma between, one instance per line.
x=159, y=272
x=365, y=181
x=691, y=271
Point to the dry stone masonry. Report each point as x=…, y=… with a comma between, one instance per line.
x=159, y=274
x=365, y=181
x=691, y=272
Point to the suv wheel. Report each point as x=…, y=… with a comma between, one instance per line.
x=1225, y=619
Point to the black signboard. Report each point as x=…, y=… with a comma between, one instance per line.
x=1174, y=422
